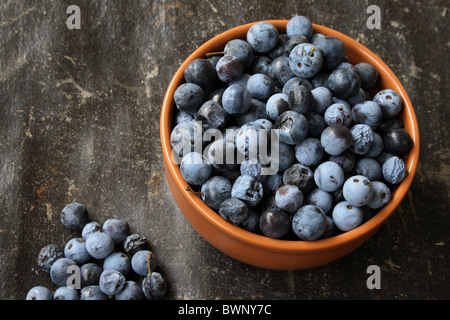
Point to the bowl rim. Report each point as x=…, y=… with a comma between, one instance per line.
x=281, y=245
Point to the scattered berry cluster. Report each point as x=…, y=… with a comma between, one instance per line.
x=109, y=260
x=341, y=142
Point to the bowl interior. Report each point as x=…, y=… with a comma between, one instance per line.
x=356, y=53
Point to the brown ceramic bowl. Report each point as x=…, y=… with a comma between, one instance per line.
x=256, y=249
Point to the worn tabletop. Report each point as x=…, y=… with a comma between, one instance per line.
x=79, y=121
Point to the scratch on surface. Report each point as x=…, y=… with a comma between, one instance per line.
x=150, y=75
x=71, y=60
x=49, y=211
x=291, y=281
x=162, y=15
x=70, y=189
x=11, y=69
x=413, y=209
x=42, y=189
x=212, y=7
x=435, y=76
x=360, y=37
x=30, y=121
x=414, y=70
x=154, y=184
x=391, y=264
x=395, y=24
x=124, y=86
x=154, y=72
x=15, y=19
x=83, y=93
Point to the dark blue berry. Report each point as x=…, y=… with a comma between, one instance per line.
x=90, y=274
x=188, y=97
x=344, y=83
x=338, y=113
x=369, y=168
x=99, y=245
x=357, y=190
x=367, y=112
x=222, y=155
x=117, y=228
x=201, y=72
x=394, y=170
x=39, y=293
x=397, y=142
x=48, y=255
x=263, y=37
x=275, y=223
x=322, y=99
x=305, y=60
x=289, y=198
x=260, y=64
x=118, y=261
x=236, y=99
x=90, y=228
x=257, y=112
x=111, y=282
x=276, y=105
x=59, y=271
x=75, y=216
x=66, y=293
x=332, y=50
x=329, y=176
x=195, y=168
x=154, y=286
x=335, y=139
x=131, y=290
x=242, y=50
x=309, y=152
x=299, y=175
x=347, y=217
x=229, y=68
x=390, y=102
x=293, y=42
x=299, y=25
x=381, y=195
x=280, y=71
x=93, y=292
x=300, y=99
x=234, y=210
x=75, y=249
x=248, y=190
x=261, y=86
x=134, y=242
x=367, y=73
x=293, y=127
x=140, y=262
x=309, y=222
x=346, y=160
x=186, y=137
x=216, y=190
x=362, y=138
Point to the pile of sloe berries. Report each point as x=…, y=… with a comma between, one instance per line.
x=341, y=141
x=109, y=261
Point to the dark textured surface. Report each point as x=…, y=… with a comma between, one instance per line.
x=79, y=121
